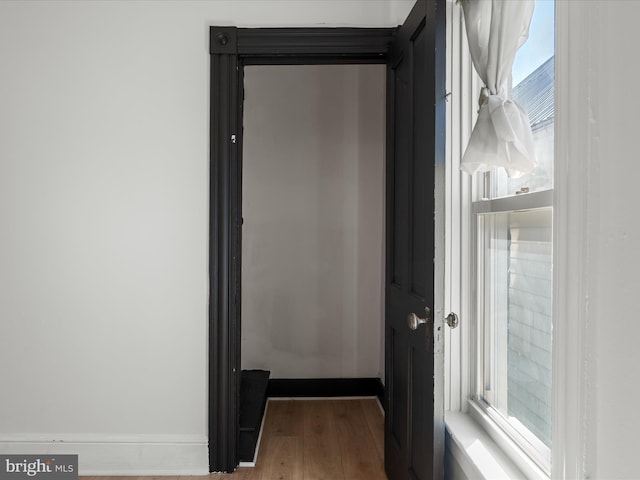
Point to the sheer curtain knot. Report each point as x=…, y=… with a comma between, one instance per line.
x=502, y=135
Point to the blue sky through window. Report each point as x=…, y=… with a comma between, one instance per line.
x=541, y=43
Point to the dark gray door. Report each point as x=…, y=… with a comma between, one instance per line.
x=414, y=433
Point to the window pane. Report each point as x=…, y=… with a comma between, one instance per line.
x=533, y=78
x=516, y=256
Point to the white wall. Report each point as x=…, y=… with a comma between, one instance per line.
x=104, y=127
x=400, y=10
x=598, y=167
x=313, y=210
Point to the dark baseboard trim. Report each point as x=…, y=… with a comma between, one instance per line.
x=325, y=387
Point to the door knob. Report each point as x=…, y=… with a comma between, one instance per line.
x=452, y=320
x=414, y=321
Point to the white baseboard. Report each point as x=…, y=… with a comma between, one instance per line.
x=131, y=455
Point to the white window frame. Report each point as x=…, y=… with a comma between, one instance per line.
x=523, y=439
x=570, y=336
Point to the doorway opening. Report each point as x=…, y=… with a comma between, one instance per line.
x=312, y=279
x=232, y=49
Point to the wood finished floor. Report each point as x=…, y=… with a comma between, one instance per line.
x=313, y=440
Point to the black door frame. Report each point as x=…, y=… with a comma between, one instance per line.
x=232, y=48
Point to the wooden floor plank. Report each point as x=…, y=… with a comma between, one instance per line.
x=360, y=459
x=322, y=456
x=284, y=417
x=284, y=459
x=375, y=421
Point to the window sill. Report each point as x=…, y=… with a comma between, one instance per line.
x=482, y=454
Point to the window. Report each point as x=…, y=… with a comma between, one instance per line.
x=513, y=258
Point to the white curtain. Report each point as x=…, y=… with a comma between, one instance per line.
x=502, y=136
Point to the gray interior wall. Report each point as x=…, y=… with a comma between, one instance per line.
x=313, y=209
